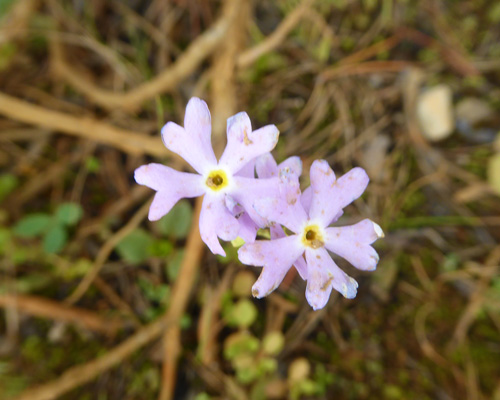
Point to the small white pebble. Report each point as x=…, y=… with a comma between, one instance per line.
x=435, y=113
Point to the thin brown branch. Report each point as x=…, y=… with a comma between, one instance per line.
x=209, y=323
x=180, y=296
x=224, y=99
x=86, y=127
x=368, y=67
x=81, y=374
x=167, y=80
x=371, y=51
x=45, y=308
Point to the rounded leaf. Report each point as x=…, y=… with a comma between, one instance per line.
x=32, y=225
x=273, y=343
x=69, y=213
x=55, y=239
x=135, y=248
x=243, y=314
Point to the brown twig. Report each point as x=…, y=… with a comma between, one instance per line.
x=167, y=80
x=223, y=70
x=368, y=67
x=371, y=51
x=81, y=374
x=209, y=323
x=180, y=295
x=86, y=127
x=45, y=308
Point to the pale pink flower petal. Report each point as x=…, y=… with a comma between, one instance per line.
x=285, y=208
x=277, y=232
x=323, y=275
x=330, y=196
x=306, y=199
x=171, y=186
x=294, y=164
x=216, y=221
x=246, y=191
x=319, y=282
x=277, y=210
x=193, y=141
x=353, y=243
x=275, y=256
x=267, y=167
x=248, y=171
x=301, y=267
x=197, y=122
x=243, y=144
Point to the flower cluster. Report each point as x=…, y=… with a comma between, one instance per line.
x=237, y=204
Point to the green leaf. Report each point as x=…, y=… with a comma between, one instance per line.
x=178, y=221
x=32, y=225
x=8, y=183
x=135, y=248
x=55, y=239
x=69, y=213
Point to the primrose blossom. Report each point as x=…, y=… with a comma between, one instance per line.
x=236, y=203
x=224, y=188
x=308, y=216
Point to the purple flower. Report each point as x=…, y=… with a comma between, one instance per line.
x=308, y=216
x=219, y=181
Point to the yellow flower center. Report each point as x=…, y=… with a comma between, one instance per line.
x=312, y=237
x=217, y=180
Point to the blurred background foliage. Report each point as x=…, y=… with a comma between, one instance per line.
x=408, y=90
